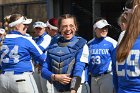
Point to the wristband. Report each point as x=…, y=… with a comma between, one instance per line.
x=54, y=77
x=75, y=83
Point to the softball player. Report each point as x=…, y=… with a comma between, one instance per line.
x=100, y=49
x=123, y=24
x=126, y=57
x=67, y=59
x=16, y=53
x=43, y=40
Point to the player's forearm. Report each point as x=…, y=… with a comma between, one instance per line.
x=79, y=68
x=45, y=72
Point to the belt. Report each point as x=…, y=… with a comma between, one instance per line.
x=97, y=75
x=63, y=90
x=15, y=73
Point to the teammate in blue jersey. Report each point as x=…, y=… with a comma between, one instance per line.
x=16, y=53
x=43, y=40
x=126, y=57
x=100, y=49
x=67, y=59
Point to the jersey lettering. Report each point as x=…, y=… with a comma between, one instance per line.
x=130, y=66
x=99, y=51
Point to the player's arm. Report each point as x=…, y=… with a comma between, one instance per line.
x=37, y=53
x=82, y=60
x=45, y=70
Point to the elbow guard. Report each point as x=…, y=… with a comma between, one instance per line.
x=75, y=83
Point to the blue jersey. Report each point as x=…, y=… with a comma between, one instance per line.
x=17, y=50
x=81, y=59
x=54, y=38
x=126, y=75
x=100, y=54
x=43, y=41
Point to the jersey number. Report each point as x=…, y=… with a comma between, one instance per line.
x=132, y=62
x=9, y=54
x=96, y=60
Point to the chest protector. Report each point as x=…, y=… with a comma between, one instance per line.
x=63, y=59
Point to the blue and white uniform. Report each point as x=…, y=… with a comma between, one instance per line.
x=126, y=75
x=16, y=53
x=43, y=42
x=100, y=63
x=121, y=36
x=65, y=55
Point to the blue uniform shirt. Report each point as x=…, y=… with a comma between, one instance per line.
x=17, y=50
x=126, y=75
x=100, y=54
x=43, y=41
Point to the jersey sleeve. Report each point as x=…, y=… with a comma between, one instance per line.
x=45, y=43
x=45, y=70
x=82, y=60
x=36, y=52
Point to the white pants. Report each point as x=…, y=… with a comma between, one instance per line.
x=102, y=84
x=84, y=88
x=50, y=87
x=43, y=85
x=17, y=83
x=41, y=82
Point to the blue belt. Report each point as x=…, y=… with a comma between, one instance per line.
x=97, y=75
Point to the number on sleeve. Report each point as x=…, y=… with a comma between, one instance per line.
x=11, y=54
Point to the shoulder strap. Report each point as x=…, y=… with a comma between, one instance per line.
x=79, y=44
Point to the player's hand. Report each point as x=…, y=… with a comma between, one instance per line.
x=38, y=67
x=63, y=78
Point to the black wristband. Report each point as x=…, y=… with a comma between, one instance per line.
x=75, y=83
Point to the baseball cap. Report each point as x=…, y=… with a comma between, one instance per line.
x=52, y=23
x=2, y=31
x=100, y=24
x=22, y=19
x=39, y=24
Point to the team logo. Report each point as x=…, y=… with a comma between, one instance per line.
x=60, y=52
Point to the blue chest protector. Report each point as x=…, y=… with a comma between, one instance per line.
x=62, y=57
